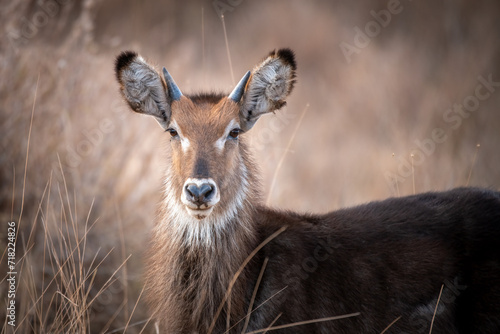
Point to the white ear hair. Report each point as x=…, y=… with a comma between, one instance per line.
x=270, y=83
x=142, y=87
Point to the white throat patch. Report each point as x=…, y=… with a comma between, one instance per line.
x=200, y=231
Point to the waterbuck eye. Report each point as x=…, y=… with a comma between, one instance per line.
x=234, y=133
x=172, y=132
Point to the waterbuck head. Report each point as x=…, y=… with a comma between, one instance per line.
x=208, y=174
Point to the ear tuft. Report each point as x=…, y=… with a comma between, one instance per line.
x=288, y=57
x=123, y=60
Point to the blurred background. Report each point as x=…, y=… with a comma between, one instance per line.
x=393, y=97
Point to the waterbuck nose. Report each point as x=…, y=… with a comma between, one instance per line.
x=199, y=194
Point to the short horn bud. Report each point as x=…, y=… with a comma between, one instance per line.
x=238, y=91
x=173, y=90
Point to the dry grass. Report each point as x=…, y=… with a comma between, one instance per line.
x=65, y=298
x=88, y=192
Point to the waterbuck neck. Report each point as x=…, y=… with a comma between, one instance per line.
x=191, y=253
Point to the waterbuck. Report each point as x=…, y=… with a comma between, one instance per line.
x=220, y=261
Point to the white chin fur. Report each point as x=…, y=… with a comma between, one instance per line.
x=199, y=214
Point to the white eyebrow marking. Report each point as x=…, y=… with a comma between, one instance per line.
x=219, y=143
x=185, y=143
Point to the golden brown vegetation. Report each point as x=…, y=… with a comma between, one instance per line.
x=85, y=195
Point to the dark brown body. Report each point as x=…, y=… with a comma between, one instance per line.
x=387, y=260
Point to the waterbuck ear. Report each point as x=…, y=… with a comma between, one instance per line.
x=265, y=89
x=143, y=88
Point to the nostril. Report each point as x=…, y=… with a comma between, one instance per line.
x=192, y=190
x=206, y=190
